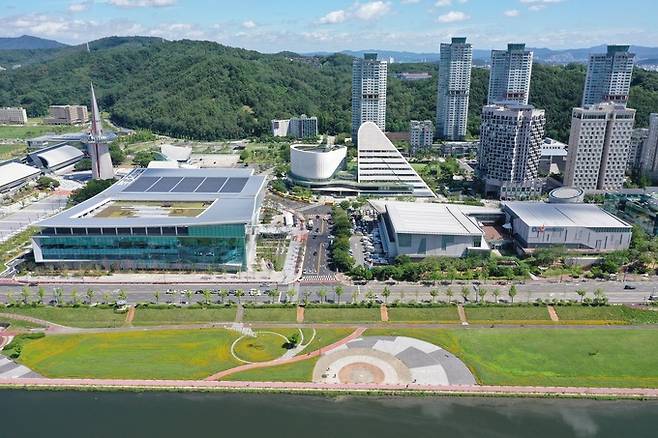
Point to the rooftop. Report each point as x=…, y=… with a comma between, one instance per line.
x=429, y=218
x=167, y=197
x=538, y=214
x=11, y=172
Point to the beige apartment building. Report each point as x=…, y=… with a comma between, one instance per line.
x=67, y=115
x=13, y=116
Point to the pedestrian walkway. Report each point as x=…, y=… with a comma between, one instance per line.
x=383, y=312
x=553, y=314
x=462, y=314
x=130, y=315
x=300, y=314
x=239, y=314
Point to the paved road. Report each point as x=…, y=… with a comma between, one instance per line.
x=405, y=292
x=317, y=247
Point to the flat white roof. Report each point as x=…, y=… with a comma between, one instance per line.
x=429, y=218
x=538, y=214
x=12, y=172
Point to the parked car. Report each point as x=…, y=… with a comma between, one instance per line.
x=629, y=287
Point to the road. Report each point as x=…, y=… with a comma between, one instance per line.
x=317, y=248
x=404, y=292
x=19, y=220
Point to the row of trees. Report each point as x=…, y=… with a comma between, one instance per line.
x=203, y=90
x=340, y=247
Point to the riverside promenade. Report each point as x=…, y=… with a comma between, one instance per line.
x=321, y=388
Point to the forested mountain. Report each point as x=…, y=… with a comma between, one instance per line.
x=205, y=90
x=27, y=42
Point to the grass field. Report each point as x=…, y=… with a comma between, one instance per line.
x=17, y=323
x=547, y=357
x=8, y=151
x=268, y=345
x=84, y=317
x=23, y=132
x=510, y=313
x=423, y=314
x=184, y=315
x=270, y=314
x=294, y=372
x=612, y=314
x=163, y=354
x=343, y=314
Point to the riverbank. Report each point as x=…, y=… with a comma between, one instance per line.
x=43, y=384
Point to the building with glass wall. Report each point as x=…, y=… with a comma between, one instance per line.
x=160, y=219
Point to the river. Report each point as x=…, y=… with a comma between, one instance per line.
x=182, y=415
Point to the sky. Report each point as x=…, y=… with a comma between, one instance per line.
x=334, y=25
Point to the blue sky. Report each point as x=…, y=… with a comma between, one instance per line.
x=315, y=25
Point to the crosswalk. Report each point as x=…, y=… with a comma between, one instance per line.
x=327, y=278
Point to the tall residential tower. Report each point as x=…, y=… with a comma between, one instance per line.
x=599, y=145
x=509, y=80
x=368, y=92
x=454, y=89
x=609, y=76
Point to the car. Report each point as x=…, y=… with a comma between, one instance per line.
x=629, y=287
x=652, y=297
x=315, y=253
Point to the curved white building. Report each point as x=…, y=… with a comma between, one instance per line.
x=314, y=162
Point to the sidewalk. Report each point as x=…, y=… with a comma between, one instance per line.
x=147, y=278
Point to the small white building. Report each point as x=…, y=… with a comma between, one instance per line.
x=573, y=226
x=420, y=230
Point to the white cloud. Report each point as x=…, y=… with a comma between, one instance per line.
x=141, y=3
x=442, y=3
x=409, y=2
x=79, y=6
x=334, y=17
x=538, y=5
x=372, y=10
x=453, y=17
x=249, y=24
x=512, y=13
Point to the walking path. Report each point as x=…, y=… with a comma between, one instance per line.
x=50, y=325
x=239, y=314
x=220, y=375
x=300, y=314
x=476, y=390
x=553, y=314
x=383, y=313
x=130, y=316
x=462, y=314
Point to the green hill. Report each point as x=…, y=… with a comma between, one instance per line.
x=204, y=90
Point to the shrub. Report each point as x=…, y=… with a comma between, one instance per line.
x=14, y=348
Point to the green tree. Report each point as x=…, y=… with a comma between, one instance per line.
x=156, y=295
x=47, y=183
x=386, y=293
x=59, y=294
x=434, y=293
x=41, y=292
x=449, y=294
x=26, y=293
x=512, y=292
x=290, y=293
x=223, y=293
x=465, y=293
x=239, y=294
x=496, y=294
x=482, y=293
x=122, y=295
x=90, y=295
x=339, y=291
x=207, y=297
x=74, y=296
x=322, y=294
x=581, y=293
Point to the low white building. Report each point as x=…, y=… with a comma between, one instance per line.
x=14, y=174
x=573, y=226
x=420, y=230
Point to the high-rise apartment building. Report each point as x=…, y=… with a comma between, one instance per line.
x=298, y=127
x=509, y=80
x=456, y=59
x=636, y=148
x=14, y=116
x=511, y=138
x=649, y=157
x=421, y=134
x=369, y=78
x=67, y=115
x=609, y=76
x=599, y=144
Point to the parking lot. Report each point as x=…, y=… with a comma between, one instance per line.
x=366, y=244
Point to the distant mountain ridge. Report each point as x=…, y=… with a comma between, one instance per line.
x=542, y=55
x=27, y=42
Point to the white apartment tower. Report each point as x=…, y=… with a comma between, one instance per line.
x=456, y=60
x=636, y=148
x=509, y=79
x=609, y=76
x=369, y=77
x=421, y=134
x=599, y=145
x=649, y=157
x=511, y=138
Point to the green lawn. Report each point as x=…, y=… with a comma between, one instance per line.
x=611, y=314
x=270, y=314
x=162, y=354
x=8, y=151
x=84, y=317
x=17, y=323
x=547, y=357
x=423, y=314
x=23, y=132
x=294, y=372
x=343, y=314
x=183, y=315
x=264, y=347
x=509, y=314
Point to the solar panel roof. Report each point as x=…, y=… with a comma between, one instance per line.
x=165, y=184
x=141, y=184
x=211, y=185
x=189, y=184
x=234, y=185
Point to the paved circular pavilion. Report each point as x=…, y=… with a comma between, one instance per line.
x=392, y=360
